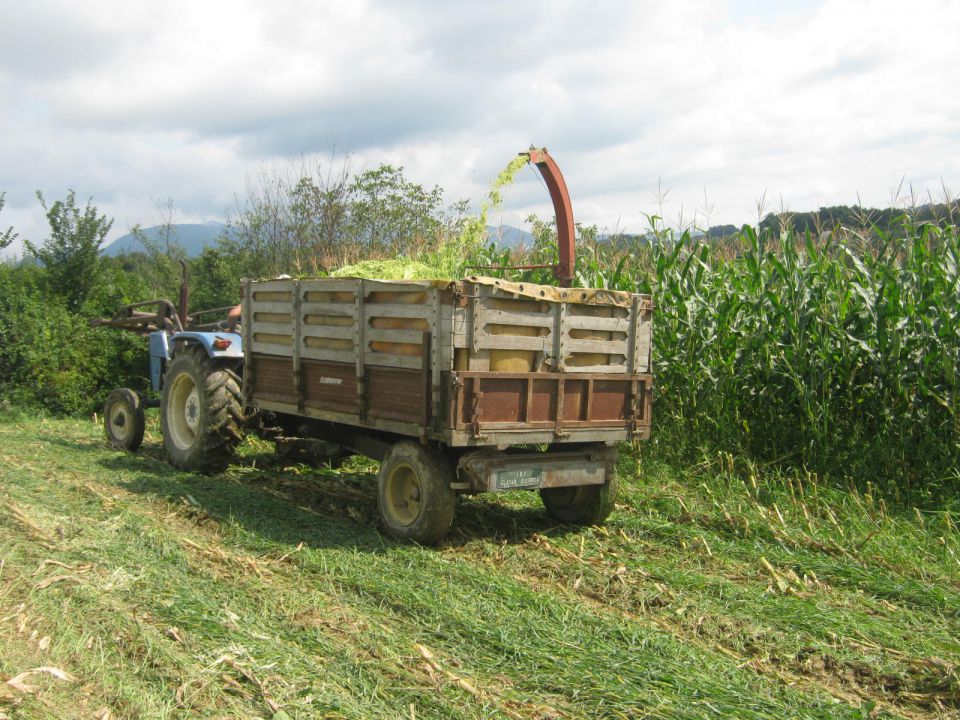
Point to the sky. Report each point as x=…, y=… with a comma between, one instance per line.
x=698, y=110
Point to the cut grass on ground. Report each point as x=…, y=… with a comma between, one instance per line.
x=268, y=592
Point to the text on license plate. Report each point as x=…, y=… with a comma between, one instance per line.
x=525, y=478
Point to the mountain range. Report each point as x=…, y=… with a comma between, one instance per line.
x=194, y=237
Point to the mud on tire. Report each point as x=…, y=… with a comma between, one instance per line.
x=201, y=412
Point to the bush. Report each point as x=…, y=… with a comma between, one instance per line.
x=51, y=358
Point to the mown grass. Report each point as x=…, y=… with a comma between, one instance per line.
x=269, y=592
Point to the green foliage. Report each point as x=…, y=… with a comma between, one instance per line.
x=887, y=220
x=836, y=354
x=319, y=219
x=71, y=253
x=161, y=269
x=50, y=357
x=7, y=236
x=472, y=237
x=388, y=213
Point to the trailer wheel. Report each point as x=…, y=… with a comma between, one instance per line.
x=581, y=504
x=123, y=419
x=201, y=412
x=414, y=495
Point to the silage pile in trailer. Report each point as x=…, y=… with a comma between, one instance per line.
x=447, y=261
x=398, y=269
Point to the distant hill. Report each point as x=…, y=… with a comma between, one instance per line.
x=195, y=237
x=509, y=236
x=191, y=236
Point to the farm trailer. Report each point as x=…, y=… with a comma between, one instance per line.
x=476, y=385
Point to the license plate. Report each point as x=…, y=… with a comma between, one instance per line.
x=515, y=479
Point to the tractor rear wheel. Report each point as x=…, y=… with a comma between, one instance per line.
x=201, y=412
x=123, y=419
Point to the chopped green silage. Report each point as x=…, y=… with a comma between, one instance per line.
x=269, y=592
x=447, y=261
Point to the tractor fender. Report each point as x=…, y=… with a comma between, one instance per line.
x=162, y=347
x=234, y=351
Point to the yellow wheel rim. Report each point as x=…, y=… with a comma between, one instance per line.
x=183, y=411
x=403, y=494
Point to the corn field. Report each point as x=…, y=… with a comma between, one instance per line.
x=835, y=352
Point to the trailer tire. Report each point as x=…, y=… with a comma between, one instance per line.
x=123, y=419
x=581, y=504
x=414, y=495
x=201, y=412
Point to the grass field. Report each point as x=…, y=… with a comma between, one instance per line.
x=269, y=592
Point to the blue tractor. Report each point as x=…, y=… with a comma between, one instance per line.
x=196, y=368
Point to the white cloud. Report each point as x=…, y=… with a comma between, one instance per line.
x=814, y=102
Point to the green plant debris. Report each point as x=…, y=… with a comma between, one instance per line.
x=398, y=269
x=269, y=592
x=449, y=258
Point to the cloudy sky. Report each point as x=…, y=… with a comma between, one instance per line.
x=808, y=102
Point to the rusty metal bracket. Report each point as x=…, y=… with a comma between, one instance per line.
x=476, y=410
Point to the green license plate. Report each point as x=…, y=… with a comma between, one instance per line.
x=513, y=479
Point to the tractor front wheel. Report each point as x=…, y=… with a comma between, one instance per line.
x=123, y=419
x=201, y=412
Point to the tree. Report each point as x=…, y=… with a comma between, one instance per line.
x=389, y=213
x=8, y=235
x=163, y=250
x=71, y=254
x=313, y=219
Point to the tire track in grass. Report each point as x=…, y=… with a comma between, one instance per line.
x=493, y=624
x=205, y=555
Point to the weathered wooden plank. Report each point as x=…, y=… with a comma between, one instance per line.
x=387, y=359
x=297, y=370
x=345, y=309
x=644, y=341
x=395, y=335
x=390, y=310
x=328, y=285
x=274, y=306
x=382, y=286
x=269, y=348
x=328, y=331
x=525, y=318
x=278, y=285
x=618, y=347
x=513, y=342
x=618, y=368
x=287, y=328
x=604, y=324
x=346, y=356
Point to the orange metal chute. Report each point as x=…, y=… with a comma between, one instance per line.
x=562, y=208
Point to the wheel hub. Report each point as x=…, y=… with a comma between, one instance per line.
x=118, y=418
x=403, y=495
x=192, y=409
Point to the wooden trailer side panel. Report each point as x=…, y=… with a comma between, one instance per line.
x=360, y=352
x=468, y=364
